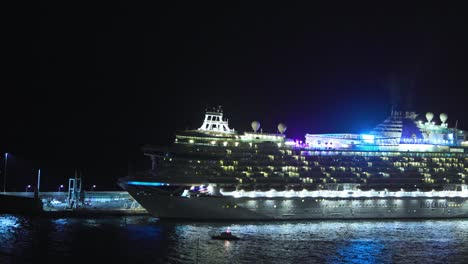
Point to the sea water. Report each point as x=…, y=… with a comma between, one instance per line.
x=144, y=239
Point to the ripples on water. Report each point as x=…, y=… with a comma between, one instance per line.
x=146, y=240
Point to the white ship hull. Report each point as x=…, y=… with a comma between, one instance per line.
x=282, y=208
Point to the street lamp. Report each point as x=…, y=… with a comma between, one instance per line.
x=27, y=188
x=5, y=173
x=94, y=186
x=60, y=187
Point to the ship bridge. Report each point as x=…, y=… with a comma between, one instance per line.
x=214, y=122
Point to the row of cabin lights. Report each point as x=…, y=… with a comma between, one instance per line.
x=225, y=143
x=213, y=142
x=293, y=169
x=342, y=205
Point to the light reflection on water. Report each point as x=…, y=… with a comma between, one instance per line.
x=146, y=240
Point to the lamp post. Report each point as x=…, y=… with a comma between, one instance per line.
x=94, y=186
x=60, y=187
x=27, y=188
x=5, y=172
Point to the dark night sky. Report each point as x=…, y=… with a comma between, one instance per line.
x=87, y=85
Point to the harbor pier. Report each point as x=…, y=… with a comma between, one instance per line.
x=61, y=204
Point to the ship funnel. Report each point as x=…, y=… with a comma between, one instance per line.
x=443, y=117
x=255, y=125
x=429, y=116
x=282, y=128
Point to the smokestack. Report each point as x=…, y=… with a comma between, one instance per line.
x=394, y=91
x=409, y=94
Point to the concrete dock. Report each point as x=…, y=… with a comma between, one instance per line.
x=58, y=204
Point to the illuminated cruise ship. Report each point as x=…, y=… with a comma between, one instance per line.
x=404, y=168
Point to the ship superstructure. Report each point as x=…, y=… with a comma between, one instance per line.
x=404, y=168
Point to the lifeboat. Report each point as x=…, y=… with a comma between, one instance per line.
x=393, y=188
x=310, y=187
x=426, y=188
x=378, y=188
x=364, y=188
x=263, y=188
x=247, y=188
x=228, y=188
x=409, y=188
x=279, y=188
x=296, y=188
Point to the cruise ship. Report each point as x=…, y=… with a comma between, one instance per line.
x=407, y=167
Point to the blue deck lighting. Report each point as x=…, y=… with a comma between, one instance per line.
x=147, y=183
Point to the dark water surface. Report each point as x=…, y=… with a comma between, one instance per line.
x=142, y=239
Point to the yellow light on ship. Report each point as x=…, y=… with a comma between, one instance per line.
x=225, y=143
x=191, y=141
x=213, y=142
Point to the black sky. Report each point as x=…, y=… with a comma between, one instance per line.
x=86, y=85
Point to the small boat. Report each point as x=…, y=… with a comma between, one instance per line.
x=227, y=235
